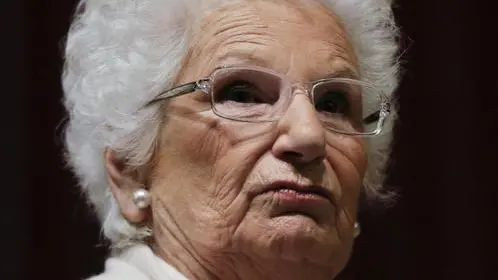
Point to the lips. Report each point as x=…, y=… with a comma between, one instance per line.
x=285, y=186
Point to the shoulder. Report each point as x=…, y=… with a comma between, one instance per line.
x=138, y=263
x=116, y=269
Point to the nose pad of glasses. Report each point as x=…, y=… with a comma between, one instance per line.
x=300, y=88
x=290, y=92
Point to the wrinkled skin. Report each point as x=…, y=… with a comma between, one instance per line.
x=209, y=216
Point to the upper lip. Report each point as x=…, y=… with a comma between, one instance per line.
x=315, y=189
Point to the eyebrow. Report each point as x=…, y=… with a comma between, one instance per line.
x=342, y=73
x=244, y=57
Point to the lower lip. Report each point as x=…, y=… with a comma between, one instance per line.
x=292, y=196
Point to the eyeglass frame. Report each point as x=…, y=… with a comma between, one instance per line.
x=203, y=85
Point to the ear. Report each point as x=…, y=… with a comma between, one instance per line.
x=123, y=183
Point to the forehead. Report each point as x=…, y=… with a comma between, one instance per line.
x=303, y=39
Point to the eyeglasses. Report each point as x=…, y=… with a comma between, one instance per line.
x=256, y=94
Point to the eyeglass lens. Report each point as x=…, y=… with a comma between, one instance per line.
x=253, y=95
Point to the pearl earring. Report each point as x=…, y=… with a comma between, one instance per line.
x=357, y=229
x=141, y=198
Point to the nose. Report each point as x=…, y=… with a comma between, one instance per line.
x=301, y=137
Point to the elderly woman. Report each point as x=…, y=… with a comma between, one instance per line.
x=229, y=139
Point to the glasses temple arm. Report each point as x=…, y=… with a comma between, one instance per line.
x=379, y=114
x=374, y=117
x=174, y=92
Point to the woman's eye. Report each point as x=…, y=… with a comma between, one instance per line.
x=239, y=91
x=333, y=102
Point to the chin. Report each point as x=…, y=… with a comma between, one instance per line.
x=300, y=238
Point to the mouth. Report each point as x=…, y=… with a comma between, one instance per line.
x=302, y=190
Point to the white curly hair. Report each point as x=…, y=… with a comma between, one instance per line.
x=121, y=53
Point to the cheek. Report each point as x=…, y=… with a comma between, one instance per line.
x=200, y=169
x=184, y=159
x=347, y=157
x=183, y=190
x=206, y=159
x=188, y=144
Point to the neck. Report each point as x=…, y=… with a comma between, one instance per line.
x=185, y=261
x=237, y=266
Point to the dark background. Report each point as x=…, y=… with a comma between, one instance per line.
x=444, y=162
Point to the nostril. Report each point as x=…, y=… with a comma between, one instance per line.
x=292, y=155
x=297, y=157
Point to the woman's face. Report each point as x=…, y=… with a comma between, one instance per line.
x=227, y=189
